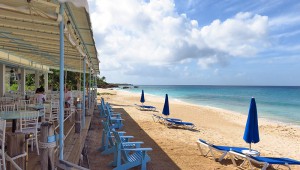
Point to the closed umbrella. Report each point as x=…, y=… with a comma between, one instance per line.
x=142, y=100
x=166, y=110
x=251, y=134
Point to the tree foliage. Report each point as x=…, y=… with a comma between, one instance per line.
x=74, y=80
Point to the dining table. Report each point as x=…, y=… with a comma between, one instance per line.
x=15, y=115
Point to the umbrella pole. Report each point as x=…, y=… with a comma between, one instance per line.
x=250, y=146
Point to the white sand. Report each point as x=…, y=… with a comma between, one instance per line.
x=217, y=126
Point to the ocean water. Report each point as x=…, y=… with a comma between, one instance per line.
x=277, y=103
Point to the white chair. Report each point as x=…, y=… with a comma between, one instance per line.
x=29, y=125
x=42, y=112
x=23, y=105
x=8, y=100
x=3, y=155
x=8, y=107
x=53, y=112
x=2, y=140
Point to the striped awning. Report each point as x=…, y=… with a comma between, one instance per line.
x=29, y=35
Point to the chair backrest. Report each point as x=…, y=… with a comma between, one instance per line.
x=54, y=105
x=7, y=100
x=42, y=111
x=2, y=132
x=107, y=109
x=54, y=110
x=23, y=104
x=107, y=130
x=8, y=107
x=29, y=120
x=118, y=143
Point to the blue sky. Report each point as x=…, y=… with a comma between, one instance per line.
x=205, y=42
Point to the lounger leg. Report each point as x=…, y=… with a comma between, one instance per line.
x=212, y=154
x=244, y=163
x=222, y=157
x=199, y=146
x=232, y=159
x=264, y=167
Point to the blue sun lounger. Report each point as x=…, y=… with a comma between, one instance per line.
x=145, y=107
x=265, y=162
x=171, y=122
x=224, y=150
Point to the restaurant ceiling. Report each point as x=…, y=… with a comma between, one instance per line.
x=29, y=35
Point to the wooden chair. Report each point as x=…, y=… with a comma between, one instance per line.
x=126, y=158
x=108, y=141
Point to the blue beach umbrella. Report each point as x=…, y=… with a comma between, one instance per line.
x=142, y=100
x=251, y=134
x=166, y=110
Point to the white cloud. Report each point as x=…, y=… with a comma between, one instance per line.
x=206, y=62
x=153, y=34
x=285, y=20
x=239, y=36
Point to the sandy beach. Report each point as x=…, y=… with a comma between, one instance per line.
x=175, y=148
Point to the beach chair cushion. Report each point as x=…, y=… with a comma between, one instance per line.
x=279, y=161
x=146, y=107
x=266, y=161
x=172, y=122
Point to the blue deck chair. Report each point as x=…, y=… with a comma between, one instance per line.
x=115, y=121
x=172, y=122
x=110, y=111
x=224, y=150
x=102, y=108
x=265, y=162
x=127, y=158
x=108, y=141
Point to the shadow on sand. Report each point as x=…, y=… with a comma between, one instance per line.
x=98, y=161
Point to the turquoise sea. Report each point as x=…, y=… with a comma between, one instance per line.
x=278, y=103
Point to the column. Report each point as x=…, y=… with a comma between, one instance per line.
x=83, y=98
x=90, y=87
x=2, y=79
x=23, y=80
x=37, y=79
x=46, y=82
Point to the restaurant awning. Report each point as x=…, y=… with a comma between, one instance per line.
x=29, y=35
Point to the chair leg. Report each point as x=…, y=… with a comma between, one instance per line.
x=37, y=145
x=3, y=163
x=31, y=145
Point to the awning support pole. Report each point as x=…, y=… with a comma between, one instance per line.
x=84, y=87
x=61, y=84
x=90, y=87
